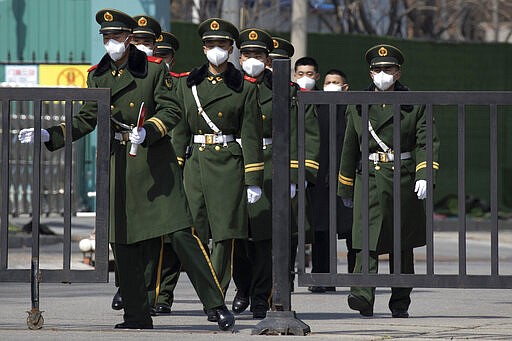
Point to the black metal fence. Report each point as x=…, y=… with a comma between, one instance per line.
x=35, y=99
x=493, y=102
x=52, y=163
x=29, y=184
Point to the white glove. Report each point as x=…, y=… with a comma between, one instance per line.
x=27, y=135
x=421, y=189
x=137, y=136
x=293, y=190
x=347, y=202
x=253, y=194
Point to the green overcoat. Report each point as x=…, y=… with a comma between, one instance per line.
x=413, y=140
x=147, y=198
x=260, y=213
x=215, y=175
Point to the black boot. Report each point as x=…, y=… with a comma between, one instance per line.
x=117, y=301
x=225, y=319
x=240, y=302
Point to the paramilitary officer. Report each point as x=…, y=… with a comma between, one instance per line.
x=385, y=69
x=252, y=270
x=145, y=34
x=220, y=177
x=147, y=196
x=169, y=266
x=166, y=47
x=144, y=39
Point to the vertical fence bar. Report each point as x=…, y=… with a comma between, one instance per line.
x=430, y=192
x=461, y=160
x=4, y=226
x=365, y=227
x=397, y=197
x=494, y=188
x=102, y=186
x=36, y=207
x=68, y=177
x=333, y=166
x=301, y=189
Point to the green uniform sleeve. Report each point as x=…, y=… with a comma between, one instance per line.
x=82, y=123
x=167, y=110
x=350, y=156
x=252, y=137
x=312, y=143
x=181, y=134
x=421, y=147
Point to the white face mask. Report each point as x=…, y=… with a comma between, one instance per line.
x=253, y=67
x=332, y=87
x=115, y=49
x=383, y=81
x=217, y=55
x=306, y=82
x=145, y=49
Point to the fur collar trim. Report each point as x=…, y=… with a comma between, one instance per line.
x=137, y=63
x=233, y=78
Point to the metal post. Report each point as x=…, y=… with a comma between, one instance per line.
x=281, y=320
x=35, y=319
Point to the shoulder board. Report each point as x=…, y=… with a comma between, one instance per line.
x=92, y=68
x=154, y=59
x=184, y=74
x=250, y=79
x=174, y=74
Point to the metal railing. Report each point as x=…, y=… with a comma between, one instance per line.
x=282, y=318
x=52, y=163
x=37, y=98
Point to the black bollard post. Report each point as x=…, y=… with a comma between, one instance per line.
x=281, y=320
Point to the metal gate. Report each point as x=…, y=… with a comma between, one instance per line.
x=37, y=98
x=282, y=319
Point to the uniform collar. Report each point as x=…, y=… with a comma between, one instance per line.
x=232, y=77
x=398, y=87
x=137, y=63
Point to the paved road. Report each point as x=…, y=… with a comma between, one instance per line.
x=82, y=311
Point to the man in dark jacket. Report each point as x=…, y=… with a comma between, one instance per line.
x=335, y=80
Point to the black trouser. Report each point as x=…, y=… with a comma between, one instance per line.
x=252, y=271
x=320, y=251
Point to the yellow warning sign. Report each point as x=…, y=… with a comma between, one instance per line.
x=63, y=75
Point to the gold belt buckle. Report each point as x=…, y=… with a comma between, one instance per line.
x=126, y=136
x=383, y=157
x=208, y=138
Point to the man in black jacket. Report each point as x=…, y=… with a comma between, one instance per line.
x=335, y=80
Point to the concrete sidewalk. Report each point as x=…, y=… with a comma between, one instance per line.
x=82, y=311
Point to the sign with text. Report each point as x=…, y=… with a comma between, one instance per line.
x=25, y=75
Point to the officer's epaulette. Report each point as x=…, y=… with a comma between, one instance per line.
x=184, y=74
x=250, y=79
x=174, y=74
x=153, y=59
x=92, y=68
